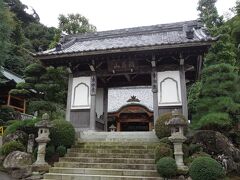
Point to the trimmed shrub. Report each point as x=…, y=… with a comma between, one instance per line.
x=161, y=129
x=214, y=121
x=61, y=151
x=62, y=133
x=7, y=113
x=11, y=146
x=206, y=168
x=50, y=151
x=166, y=141
x=167, y=167
x=190, y=159
x=162, y=150
x=194, y=148
x=28, y=126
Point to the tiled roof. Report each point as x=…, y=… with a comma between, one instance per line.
x=11, y=75
x=163, y=34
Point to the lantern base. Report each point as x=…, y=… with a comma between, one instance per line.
x=40, y=167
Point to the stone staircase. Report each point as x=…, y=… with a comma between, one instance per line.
x=107, y=160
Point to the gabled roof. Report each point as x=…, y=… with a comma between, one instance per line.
x=156, y=35
x=9, y=75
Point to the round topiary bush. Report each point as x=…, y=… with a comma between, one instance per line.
x=61, y=151
x=162, y=150
x=11, y=146
x=62, y=133
x=161, y=129
x=206, y=168
x=167, y=167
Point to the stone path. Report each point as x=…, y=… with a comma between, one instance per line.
x=4, y=176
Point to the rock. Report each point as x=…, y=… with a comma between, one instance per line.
x=18, y=164
x=17, y=136
x=218, y=145
x=215, y=143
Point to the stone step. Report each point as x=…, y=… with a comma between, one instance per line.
x=91, y=136
x=110, y=155
x=95, y=177
x=127, y=151
x=106, y=165
x=107, y=160
x=116, y=172
x=113, y=146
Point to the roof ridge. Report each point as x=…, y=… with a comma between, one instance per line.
x=141, y=30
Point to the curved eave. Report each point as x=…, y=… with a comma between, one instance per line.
x=128, y=105
x=61, y=54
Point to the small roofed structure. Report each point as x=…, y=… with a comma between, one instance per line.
x=10, y=79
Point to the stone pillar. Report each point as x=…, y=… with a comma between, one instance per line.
x=184, y=92
x=105, y=108
x=93, y=92
x=30, y=143
x=155, y=94
x=69, y=96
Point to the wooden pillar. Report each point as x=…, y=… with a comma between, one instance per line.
x=155, y=95
x=183, y=91
x=24, y=106
x=105, y=108
x=118, y=126
x=93, y=93
x=69, y=96
x=9, y=99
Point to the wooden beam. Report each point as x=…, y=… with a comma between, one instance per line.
x=93, y=92
x=105, y=108
x=183, y=92
x=199, y=67
x=69, y=97
x=127, y=77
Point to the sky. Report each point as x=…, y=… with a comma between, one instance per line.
x=116, y=14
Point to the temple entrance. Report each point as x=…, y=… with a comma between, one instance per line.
x=132, y=117
x=135, y=126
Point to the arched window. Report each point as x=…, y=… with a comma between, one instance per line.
x=169, y=91
x=81, y=95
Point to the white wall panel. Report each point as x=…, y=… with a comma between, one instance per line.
x=169, y=88
x=81, y=93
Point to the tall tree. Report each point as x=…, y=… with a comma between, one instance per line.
x=209, y=14
x=218, y=102
x=74, y=24
x=6, y=26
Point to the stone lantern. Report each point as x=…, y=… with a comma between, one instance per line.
x=177, y=137
x=112, y=128
x=42, y=140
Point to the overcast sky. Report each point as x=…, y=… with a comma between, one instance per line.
x=115, y=14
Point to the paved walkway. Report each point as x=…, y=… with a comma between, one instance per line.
x=4, y=176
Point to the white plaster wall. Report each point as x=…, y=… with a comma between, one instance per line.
x=81, y=98
x=99, y=102
x=169, y=88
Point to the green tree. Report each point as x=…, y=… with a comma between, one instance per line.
x=218, y=104
x=74, y=24
x=209, y=14
x=216, y=101
x=44, y=87
x=6, y=26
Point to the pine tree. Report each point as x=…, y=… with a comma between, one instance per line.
x=218, y=106
x=44, y=88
